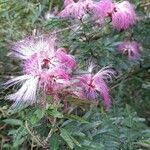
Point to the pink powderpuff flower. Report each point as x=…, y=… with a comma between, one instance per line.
x=123, y=16
x=46, y=69
x=131, y=49
x=101, y=9
x=75, y=10
x=91, y=86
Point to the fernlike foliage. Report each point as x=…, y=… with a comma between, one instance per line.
x=63, y=94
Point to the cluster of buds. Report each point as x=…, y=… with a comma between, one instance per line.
x=48, y=70
x=122, y=14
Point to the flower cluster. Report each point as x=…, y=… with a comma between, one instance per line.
x=49, y=70
x=122, y=15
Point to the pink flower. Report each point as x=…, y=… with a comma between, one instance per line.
x=123, y=15
x=67, y=60
x=67, y=2
x=91, y=86
x=101, y=9
x=129, y=48
x=46, y=69
x=75, y=10
x=54, y=81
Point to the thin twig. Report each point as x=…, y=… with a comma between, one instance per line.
x=51, y=131
x=50, y=5
x=43, y=144
x=146, y=4
x=143, y=145
x=67, y=28
x=84, y=31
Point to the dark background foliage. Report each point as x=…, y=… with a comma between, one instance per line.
x=85, y=126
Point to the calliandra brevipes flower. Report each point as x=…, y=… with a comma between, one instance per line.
x=129, y=48
x=101, y=9
x=91, y=86
x=74, y=10
x=123, y=15
x=46, y=69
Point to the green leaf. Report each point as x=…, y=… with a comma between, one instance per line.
x=18, y=142
x=54, y=142
x=37, y=116
x=88, y=145
x=67, y=138
x=54, y=113
x=91, y=125
x=76, y=142
x=34, y=120
x=13, y=122
x=39, y=113
x=77, y=118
